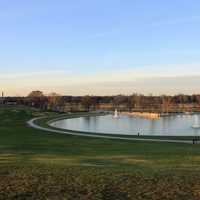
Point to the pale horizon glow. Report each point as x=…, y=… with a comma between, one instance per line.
x=154, y=81
x=100, y=47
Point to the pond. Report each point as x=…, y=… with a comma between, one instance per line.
x=174, y=125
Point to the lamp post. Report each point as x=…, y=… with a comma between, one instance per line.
x=2, y=98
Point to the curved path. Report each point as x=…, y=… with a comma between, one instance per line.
x=32, y=124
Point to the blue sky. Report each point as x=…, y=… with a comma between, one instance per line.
x=100, y=46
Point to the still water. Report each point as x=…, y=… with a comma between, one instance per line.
x=176, y=125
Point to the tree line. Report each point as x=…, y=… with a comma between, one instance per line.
x=56, y=102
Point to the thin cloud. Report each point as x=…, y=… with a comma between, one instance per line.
x=32, y=74
x=159, y=79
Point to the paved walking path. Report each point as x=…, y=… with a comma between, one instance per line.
x=32, y=124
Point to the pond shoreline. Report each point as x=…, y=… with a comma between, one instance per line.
x=32, y=123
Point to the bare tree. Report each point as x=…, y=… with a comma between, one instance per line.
x=36, y=93
x=136, y=99
x=56, y=102
x=37, y=99
x=119, y=100
x=86, y=101
x=166, y=101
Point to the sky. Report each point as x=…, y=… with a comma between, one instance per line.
x=99, y=47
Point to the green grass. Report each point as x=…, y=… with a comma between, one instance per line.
x=41, y=165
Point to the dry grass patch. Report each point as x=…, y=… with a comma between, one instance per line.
x=128, y=159
x=7, y=158
x=46, y=159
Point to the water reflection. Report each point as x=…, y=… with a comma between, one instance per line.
x=171, y=125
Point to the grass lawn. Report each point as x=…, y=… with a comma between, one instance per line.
x=41, y=165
